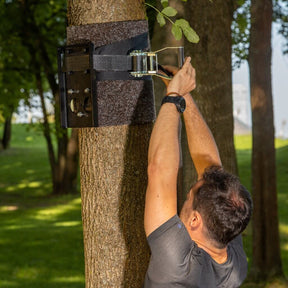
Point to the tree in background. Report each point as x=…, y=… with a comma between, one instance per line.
x=252, y=42
x=266, y=243
x=36, y=31
x=15, y=76
x=212, y=59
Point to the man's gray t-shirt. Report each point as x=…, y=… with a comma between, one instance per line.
x=177, y=261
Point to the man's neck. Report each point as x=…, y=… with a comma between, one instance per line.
x=219, y=255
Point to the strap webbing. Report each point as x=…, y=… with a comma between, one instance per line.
x=112, y=61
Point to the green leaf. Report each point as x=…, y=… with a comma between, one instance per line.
x=189, y=33
x=161, y=20
x=169, y=11
x=164, y=3
x=176, y=31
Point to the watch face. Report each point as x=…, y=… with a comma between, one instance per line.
x=179, y=101
x=182, y=105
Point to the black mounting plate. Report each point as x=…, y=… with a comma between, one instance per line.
x=77, y=85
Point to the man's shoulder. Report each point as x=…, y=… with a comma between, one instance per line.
x=174, y=253
x=171, y=234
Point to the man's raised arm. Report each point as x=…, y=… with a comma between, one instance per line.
x=163, y=155
x=202, y=146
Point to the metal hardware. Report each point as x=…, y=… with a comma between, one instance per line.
x=146, y=63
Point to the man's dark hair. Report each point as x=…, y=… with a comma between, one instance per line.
x=224, y=204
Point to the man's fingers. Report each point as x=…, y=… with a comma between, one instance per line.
x=186, y=63
x=171, y=69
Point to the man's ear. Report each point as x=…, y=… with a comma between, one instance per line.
x=195, y=220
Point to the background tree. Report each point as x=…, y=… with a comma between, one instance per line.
x=266, y=244
x=37, y=30
x=113, y=163
x=212, y=59
x=252, y=42
x=15, y=76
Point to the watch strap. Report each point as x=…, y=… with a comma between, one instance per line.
x=179, y=102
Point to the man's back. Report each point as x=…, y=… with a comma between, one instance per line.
x=176, y=261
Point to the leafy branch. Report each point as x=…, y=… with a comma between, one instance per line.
x=179, y=26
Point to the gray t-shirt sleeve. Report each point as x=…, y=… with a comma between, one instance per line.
x=173, y=255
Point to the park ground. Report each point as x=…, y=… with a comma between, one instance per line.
x=41, y=240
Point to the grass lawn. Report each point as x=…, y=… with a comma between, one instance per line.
x=41, y=240
x=243, y=146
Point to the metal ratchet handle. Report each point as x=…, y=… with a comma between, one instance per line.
x=181, y=58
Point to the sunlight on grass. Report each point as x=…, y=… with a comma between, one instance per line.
x=279, y=143
x=19, y=227
x=57, y=211
x=285, y=247
x=8, y=208
x=29, y=139
x=244, y=142
x=27, y=273
x=283, y=229
x=70, y=279
x=68, y=224
x=8, y=284
x=30, y=171
x=11, y=165
x=34, y=184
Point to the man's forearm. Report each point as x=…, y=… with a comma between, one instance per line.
x=202, y=146
x=164, y=142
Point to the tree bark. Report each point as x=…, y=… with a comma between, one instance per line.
x=266, y=246
x=212, y=59
x=113, y=163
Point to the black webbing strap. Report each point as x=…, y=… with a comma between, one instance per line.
x=118, y=64
x=112, y=61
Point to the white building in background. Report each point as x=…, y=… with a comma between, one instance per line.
x=241, y=104
x=283, y=133
x=241, y=110
x=31, y=113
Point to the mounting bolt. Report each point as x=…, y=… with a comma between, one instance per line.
x=71, y=91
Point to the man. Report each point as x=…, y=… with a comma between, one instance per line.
x=202, y=248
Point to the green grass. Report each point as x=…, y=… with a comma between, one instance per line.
x=41, y=240
x=243, y=145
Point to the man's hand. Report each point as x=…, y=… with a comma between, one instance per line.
x=184, y=80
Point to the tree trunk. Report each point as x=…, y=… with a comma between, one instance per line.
x=113, y=163
x=46, y=127
x=212, y=59
x=266, y=247
x=69, y=182
x=7, y=131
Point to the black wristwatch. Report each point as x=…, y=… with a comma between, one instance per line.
x=179, y=101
